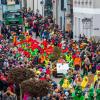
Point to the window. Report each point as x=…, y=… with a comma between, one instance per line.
x=13, y=15
x=86, y=2
x=90, y=3
x=75, y=2
x=4, y=2
x=82, y=2
x=78, y=2
x=16, y=1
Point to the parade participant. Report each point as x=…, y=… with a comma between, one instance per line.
x=26, y=26
x=77, y=62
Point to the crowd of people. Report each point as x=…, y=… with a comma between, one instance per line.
x=40, y=47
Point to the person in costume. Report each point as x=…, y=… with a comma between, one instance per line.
x=78, y=80
x=91, y=94
x=84, y=82
x=87, y=62
x=26, y=26
x=78, y=94
x=68, y=57
x=77, y=62
x=64, y=83
x=98, y=93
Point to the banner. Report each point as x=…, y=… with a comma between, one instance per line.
x=62, y=68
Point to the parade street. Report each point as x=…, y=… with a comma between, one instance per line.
x=49, y=50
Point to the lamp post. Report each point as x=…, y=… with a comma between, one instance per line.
x=64, y=20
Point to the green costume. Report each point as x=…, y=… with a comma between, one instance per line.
x=98, y=94
x=68, y=58
x=91, y=94
x=62, y=81
x=78, y=94
x=71, y=63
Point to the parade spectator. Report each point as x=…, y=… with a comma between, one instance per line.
x=8, y=95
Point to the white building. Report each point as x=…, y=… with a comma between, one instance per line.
x=35, y=5
x=86, y=18
x=61, y=12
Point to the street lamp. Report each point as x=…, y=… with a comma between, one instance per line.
x=64, y=19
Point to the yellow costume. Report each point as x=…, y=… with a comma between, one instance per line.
x=38, y=72
x=47, y=61
x=84, y=82
x=95, y=78
x=66, y=84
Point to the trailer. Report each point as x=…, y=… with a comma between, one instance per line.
x=14, y=19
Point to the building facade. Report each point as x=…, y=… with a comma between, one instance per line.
x=86, y=18
x=62, y=14
x=35, y=5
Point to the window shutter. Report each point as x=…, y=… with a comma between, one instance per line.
x=16, y=1
x=62, y=4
